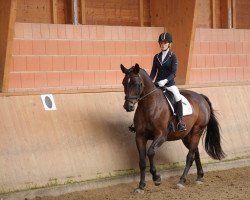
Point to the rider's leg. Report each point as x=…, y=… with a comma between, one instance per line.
x=181, y=126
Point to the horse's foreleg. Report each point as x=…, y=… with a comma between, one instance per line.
x=141, y=146
x=200, y=172
x=151, y=153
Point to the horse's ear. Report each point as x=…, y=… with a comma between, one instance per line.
x=124, y=69
x=137, y=68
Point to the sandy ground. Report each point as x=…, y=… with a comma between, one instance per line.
x=227, y=184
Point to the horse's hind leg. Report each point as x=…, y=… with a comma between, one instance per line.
x=151, y=153
x=189, y=161
x=191, y=142
x=200, y=172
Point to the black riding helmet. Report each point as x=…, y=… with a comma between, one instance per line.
x=166, y=37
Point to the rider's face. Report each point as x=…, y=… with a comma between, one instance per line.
x=164, y=45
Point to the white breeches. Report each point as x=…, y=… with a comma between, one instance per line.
x=175, y=91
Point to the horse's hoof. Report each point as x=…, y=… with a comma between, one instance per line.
x=157, y=182
x=180, y=186
x=199, y=182
x=139, y=191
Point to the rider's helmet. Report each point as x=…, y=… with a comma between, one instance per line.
x=165, y=37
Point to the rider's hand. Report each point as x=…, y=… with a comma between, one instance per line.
x=162, y=82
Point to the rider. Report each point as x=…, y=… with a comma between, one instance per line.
x=165, y=66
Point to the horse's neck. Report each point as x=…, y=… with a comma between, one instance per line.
x=148, y=84
x=148, y=90
x=148, y=95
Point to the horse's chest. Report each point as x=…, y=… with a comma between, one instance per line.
x=148, y=135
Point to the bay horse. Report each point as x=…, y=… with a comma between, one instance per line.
x=152, y=118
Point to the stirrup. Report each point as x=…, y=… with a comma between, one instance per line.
x=131, y=128
x=181, y=126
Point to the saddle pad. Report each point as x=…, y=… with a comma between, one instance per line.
x=187, y=108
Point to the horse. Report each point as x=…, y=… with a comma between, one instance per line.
x=151, y=122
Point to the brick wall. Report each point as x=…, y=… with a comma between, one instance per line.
x=63, y=57
x=220, y=55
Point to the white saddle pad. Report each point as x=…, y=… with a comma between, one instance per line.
x=187, y=108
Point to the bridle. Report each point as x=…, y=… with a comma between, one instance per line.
x=136, y=98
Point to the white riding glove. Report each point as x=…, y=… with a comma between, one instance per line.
x=162, y=82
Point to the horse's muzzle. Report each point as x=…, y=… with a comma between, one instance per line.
x=129, y=106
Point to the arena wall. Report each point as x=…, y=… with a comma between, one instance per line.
x=65, y=57
x=87, y=137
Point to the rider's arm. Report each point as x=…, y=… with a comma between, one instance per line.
x=153, y=70
x=172, y=75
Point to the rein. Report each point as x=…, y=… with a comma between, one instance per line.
x=138, y=98
x=146, y=95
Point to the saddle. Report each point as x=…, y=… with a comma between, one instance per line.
x=170, y=99
x=174, y=106
x=187, y=108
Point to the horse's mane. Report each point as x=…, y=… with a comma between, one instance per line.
x=144, y=73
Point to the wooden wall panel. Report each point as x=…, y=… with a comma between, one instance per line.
x=216, y=12
x=146, y=14
x=116, y=12
x=38, y=11
x=112, y=12
x=242, y=14
x=97, y=12
x=204, y=18
x=60, y=12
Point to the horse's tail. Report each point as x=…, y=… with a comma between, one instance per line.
x=212, y=139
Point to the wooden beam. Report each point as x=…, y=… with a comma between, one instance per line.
x=141, y=18
x=7, y=27
x=230, y=15
x=55, y=11
x=213, y=8
x=68, y=8
x=83, y=11
x=226, y=13
x=234, y=21
x=179, y=17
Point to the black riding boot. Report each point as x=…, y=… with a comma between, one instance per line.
x=181, y=126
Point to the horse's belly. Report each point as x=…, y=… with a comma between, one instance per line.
x=172, y=136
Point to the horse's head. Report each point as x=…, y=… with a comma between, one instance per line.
x=133, y=86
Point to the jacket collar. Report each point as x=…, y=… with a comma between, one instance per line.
x=159, y=56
